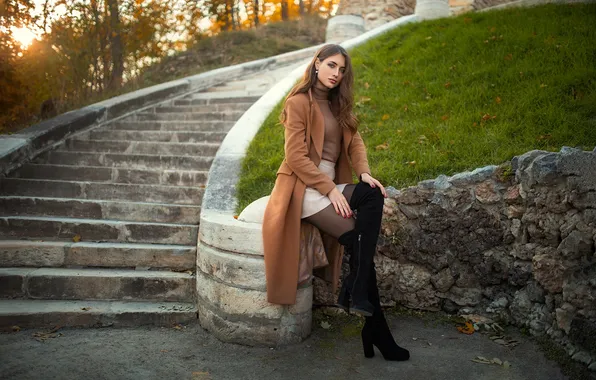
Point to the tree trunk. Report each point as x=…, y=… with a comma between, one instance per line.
x=256, y=15
x=284, y=10
x=116, y=44
x=301, y=5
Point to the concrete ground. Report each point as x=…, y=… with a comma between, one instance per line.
x=438, y=351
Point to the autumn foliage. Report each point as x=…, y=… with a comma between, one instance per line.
x=89, y=50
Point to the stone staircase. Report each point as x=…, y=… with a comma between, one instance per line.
x=102, y=230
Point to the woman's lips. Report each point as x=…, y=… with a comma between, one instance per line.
x=333, y=81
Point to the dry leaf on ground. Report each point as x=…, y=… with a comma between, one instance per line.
x=326, y=325
x=468, y=329
x=383, y=146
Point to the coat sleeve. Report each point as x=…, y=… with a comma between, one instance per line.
x=357, y=152
x=297, y=114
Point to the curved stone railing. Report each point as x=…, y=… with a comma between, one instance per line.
x=230, y=268
x=21, y=147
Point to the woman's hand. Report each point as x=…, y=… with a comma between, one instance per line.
x=373, y=183
x=340, y=203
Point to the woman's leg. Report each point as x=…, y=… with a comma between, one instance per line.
x=328, y=221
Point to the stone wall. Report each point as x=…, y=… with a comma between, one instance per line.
x=378, y=12
x=514, y=242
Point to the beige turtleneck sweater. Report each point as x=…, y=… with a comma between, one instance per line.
x=332, y=142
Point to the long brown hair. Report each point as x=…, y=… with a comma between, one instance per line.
x=341, y=97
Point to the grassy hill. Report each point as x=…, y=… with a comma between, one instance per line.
x=445, y=96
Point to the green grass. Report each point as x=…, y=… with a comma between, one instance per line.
x=450, y=95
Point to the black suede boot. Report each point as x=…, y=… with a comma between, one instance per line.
x=368, y=204
x=376, y=330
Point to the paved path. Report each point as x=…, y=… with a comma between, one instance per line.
x=439, y=352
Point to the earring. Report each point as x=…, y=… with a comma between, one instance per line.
x=317, y=72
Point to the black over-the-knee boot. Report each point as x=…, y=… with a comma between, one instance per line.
x=362, y=242
x=376, y=330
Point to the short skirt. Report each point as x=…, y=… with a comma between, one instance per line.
x=313, y=200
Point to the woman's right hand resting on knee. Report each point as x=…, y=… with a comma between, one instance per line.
x=340, y=203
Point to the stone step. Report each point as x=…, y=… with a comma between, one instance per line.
x=185, y=126
x=98, y=209
x=141, y=147
x=99, y=190
x=185, y=116
x=93, y=230
x=22, y=253
x=96, y=284
x=211, y=98
x=132, y=161
x=50, y=313
x=155, y=136
x=112, y=175
x=221, y=107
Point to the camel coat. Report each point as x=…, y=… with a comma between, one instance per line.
x=304, y=135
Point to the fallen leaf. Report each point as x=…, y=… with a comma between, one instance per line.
x=542, y=85
x=467, y=20
x=497, y=361
x=506, y=365
x=383, y=146
x=201, y=376
x=326, y=325
x=414, y=338
x=498, y=100
x=475, y=124
x=428, y=38
x=385, y=117
x=15, y=328
x=406, y=108
x=76, y=238
x=509, y=57
x=397, y=61
x=364, y=99
x=453, y=67
x=412, y=163
x=448, y=84
x=164, y=350
x=177, y=327
x=468, y=329
x=399, y=131
x=366, y=85
x=444, y=117
x=235, y=216
x=85, y=308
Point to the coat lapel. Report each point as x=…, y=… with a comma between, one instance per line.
x=317, y=131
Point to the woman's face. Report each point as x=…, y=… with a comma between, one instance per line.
x=331, y=70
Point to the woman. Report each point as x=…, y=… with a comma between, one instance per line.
x=314, y=184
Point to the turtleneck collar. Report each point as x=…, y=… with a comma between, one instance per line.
x=320, y=94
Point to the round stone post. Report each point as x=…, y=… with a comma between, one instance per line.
x=343, y=27
x=431, y=9
x=231, y=289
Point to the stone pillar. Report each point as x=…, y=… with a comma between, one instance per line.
x=231, y=291
x=431, y=9
x=343, y=27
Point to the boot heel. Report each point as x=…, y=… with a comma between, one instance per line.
x=367, y=345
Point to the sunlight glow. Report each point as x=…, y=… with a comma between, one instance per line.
x=24, y=36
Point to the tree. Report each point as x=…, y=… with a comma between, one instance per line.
x=116, y=44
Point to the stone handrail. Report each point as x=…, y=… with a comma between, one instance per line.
x=21, y=147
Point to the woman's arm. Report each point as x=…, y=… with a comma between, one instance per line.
x=297, y=114
x=357, y=152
